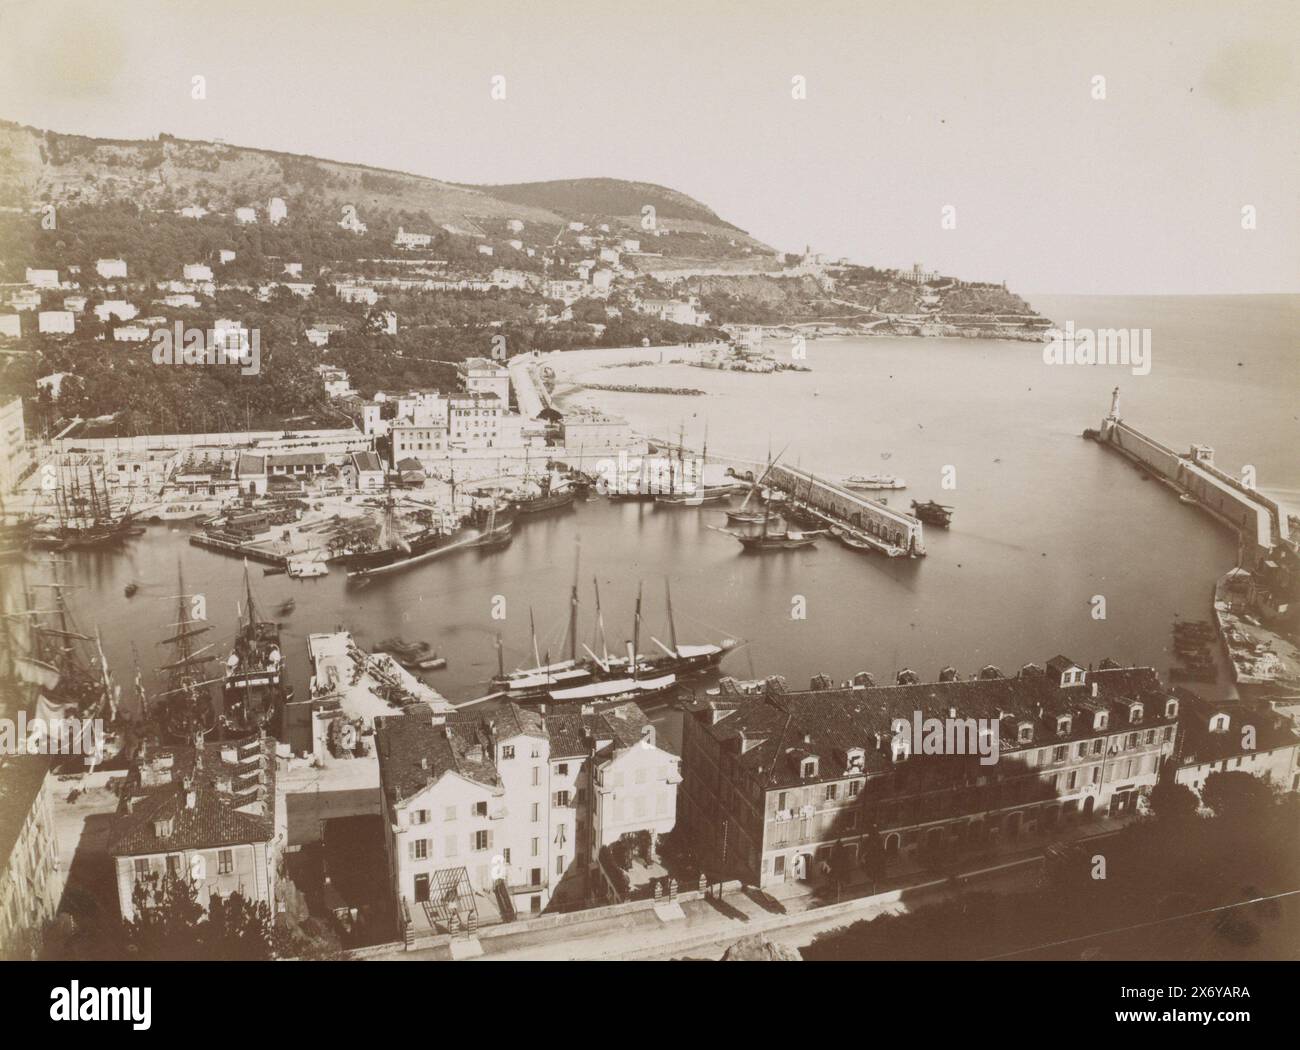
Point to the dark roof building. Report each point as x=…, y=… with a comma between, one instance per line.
x=796, y=776
x=209, y=813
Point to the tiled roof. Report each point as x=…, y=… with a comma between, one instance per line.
x=1200, y=745
x=414, y=752
x=234, y=787
x=772, y=732
x=366, y=461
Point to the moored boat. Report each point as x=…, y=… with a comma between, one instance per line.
x=932, y=513
x=871, y=482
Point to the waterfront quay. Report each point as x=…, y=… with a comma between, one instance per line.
x=888, y=531
x=1251, y=599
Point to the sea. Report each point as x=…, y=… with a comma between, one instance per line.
x=1056, y=546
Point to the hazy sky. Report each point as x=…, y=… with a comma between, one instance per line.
x=987, y=107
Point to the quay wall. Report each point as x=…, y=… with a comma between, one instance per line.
x=1256, y=518
x=875, y=519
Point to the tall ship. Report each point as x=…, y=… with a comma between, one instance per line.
x=768, y=539
x=256, y=684
x=933, y=513
x=85, y=516
x=599, y=674
x=394, y=549
x=552, y=493
x=184, y=711
x=52, y=671
x=684, y=493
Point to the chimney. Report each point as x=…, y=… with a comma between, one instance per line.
x=952, y=712
x=424, y=762
x=1094, y=688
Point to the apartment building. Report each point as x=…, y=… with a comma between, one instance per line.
x=29, y=852
x=483, y=376
x=1234, y=737
x=209, y=813
x=15, y=456
x=785, y=785
x=474, y=420
x=504, y=815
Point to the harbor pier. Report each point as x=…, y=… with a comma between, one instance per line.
x=1260, y=523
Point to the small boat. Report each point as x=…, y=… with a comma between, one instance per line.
x=286, y=607
x=402, y=649
x=874, y=481
x=932, y=513
x=302, y=569
x=778, y=541
x=432, y=663
x=130, y=589
x=274, y=570
x=1187, y=497
x=849, y=538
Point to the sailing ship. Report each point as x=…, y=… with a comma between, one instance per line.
x=498, y=531
x=874, y=481
x=393, y=550
x=254, y=687
x=746, y=516
x=184, y=710
x=553, y=492
x=767, y=540
x=87, y=517
x=932, y=513
x=601, y=675
x=682, y=493
x=53, y=673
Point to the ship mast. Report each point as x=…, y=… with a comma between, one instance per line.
x=672, y=626
x=573, y=607
x=636, y=634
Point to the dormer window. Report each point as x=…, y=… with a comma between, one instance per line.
x=1101, y=720
x=857, y=758
x=1135, y=713
x=1171, y=709
x=1024, y=732
x=1219, y=724
x=808, y=768
x=1072, y=676
x=1063, y=725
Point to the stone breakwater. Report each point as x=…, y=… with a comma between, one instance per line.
x=624, y=388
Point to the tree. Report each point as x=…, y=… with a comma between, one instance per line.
x=171, y=924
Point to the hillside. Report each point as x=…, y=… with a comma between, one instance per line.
x=44, y=166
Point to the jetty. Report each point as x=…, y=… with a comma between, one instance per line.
x=1260, y=523
x=884, y=529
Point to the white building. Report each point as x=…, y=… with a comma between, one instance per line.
x=194, y=211
x=115, y=309
x=75, y=303
x=245, y=215
x=110, y=268
x=485, y=249
x=596, y=430
x=474, y=420
x=277, y=211
x=423, y=443
x=196, y=272
x=351, y=292
x=364, y=472
x=15, y=457
x=515, y=226
x=506, y=815
x=412, y=240
x=673, y=310
x=226, y=255
x=42, y=278
x=55, y=322
x=10, y=325
x=484, y=376
x=130, y=333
